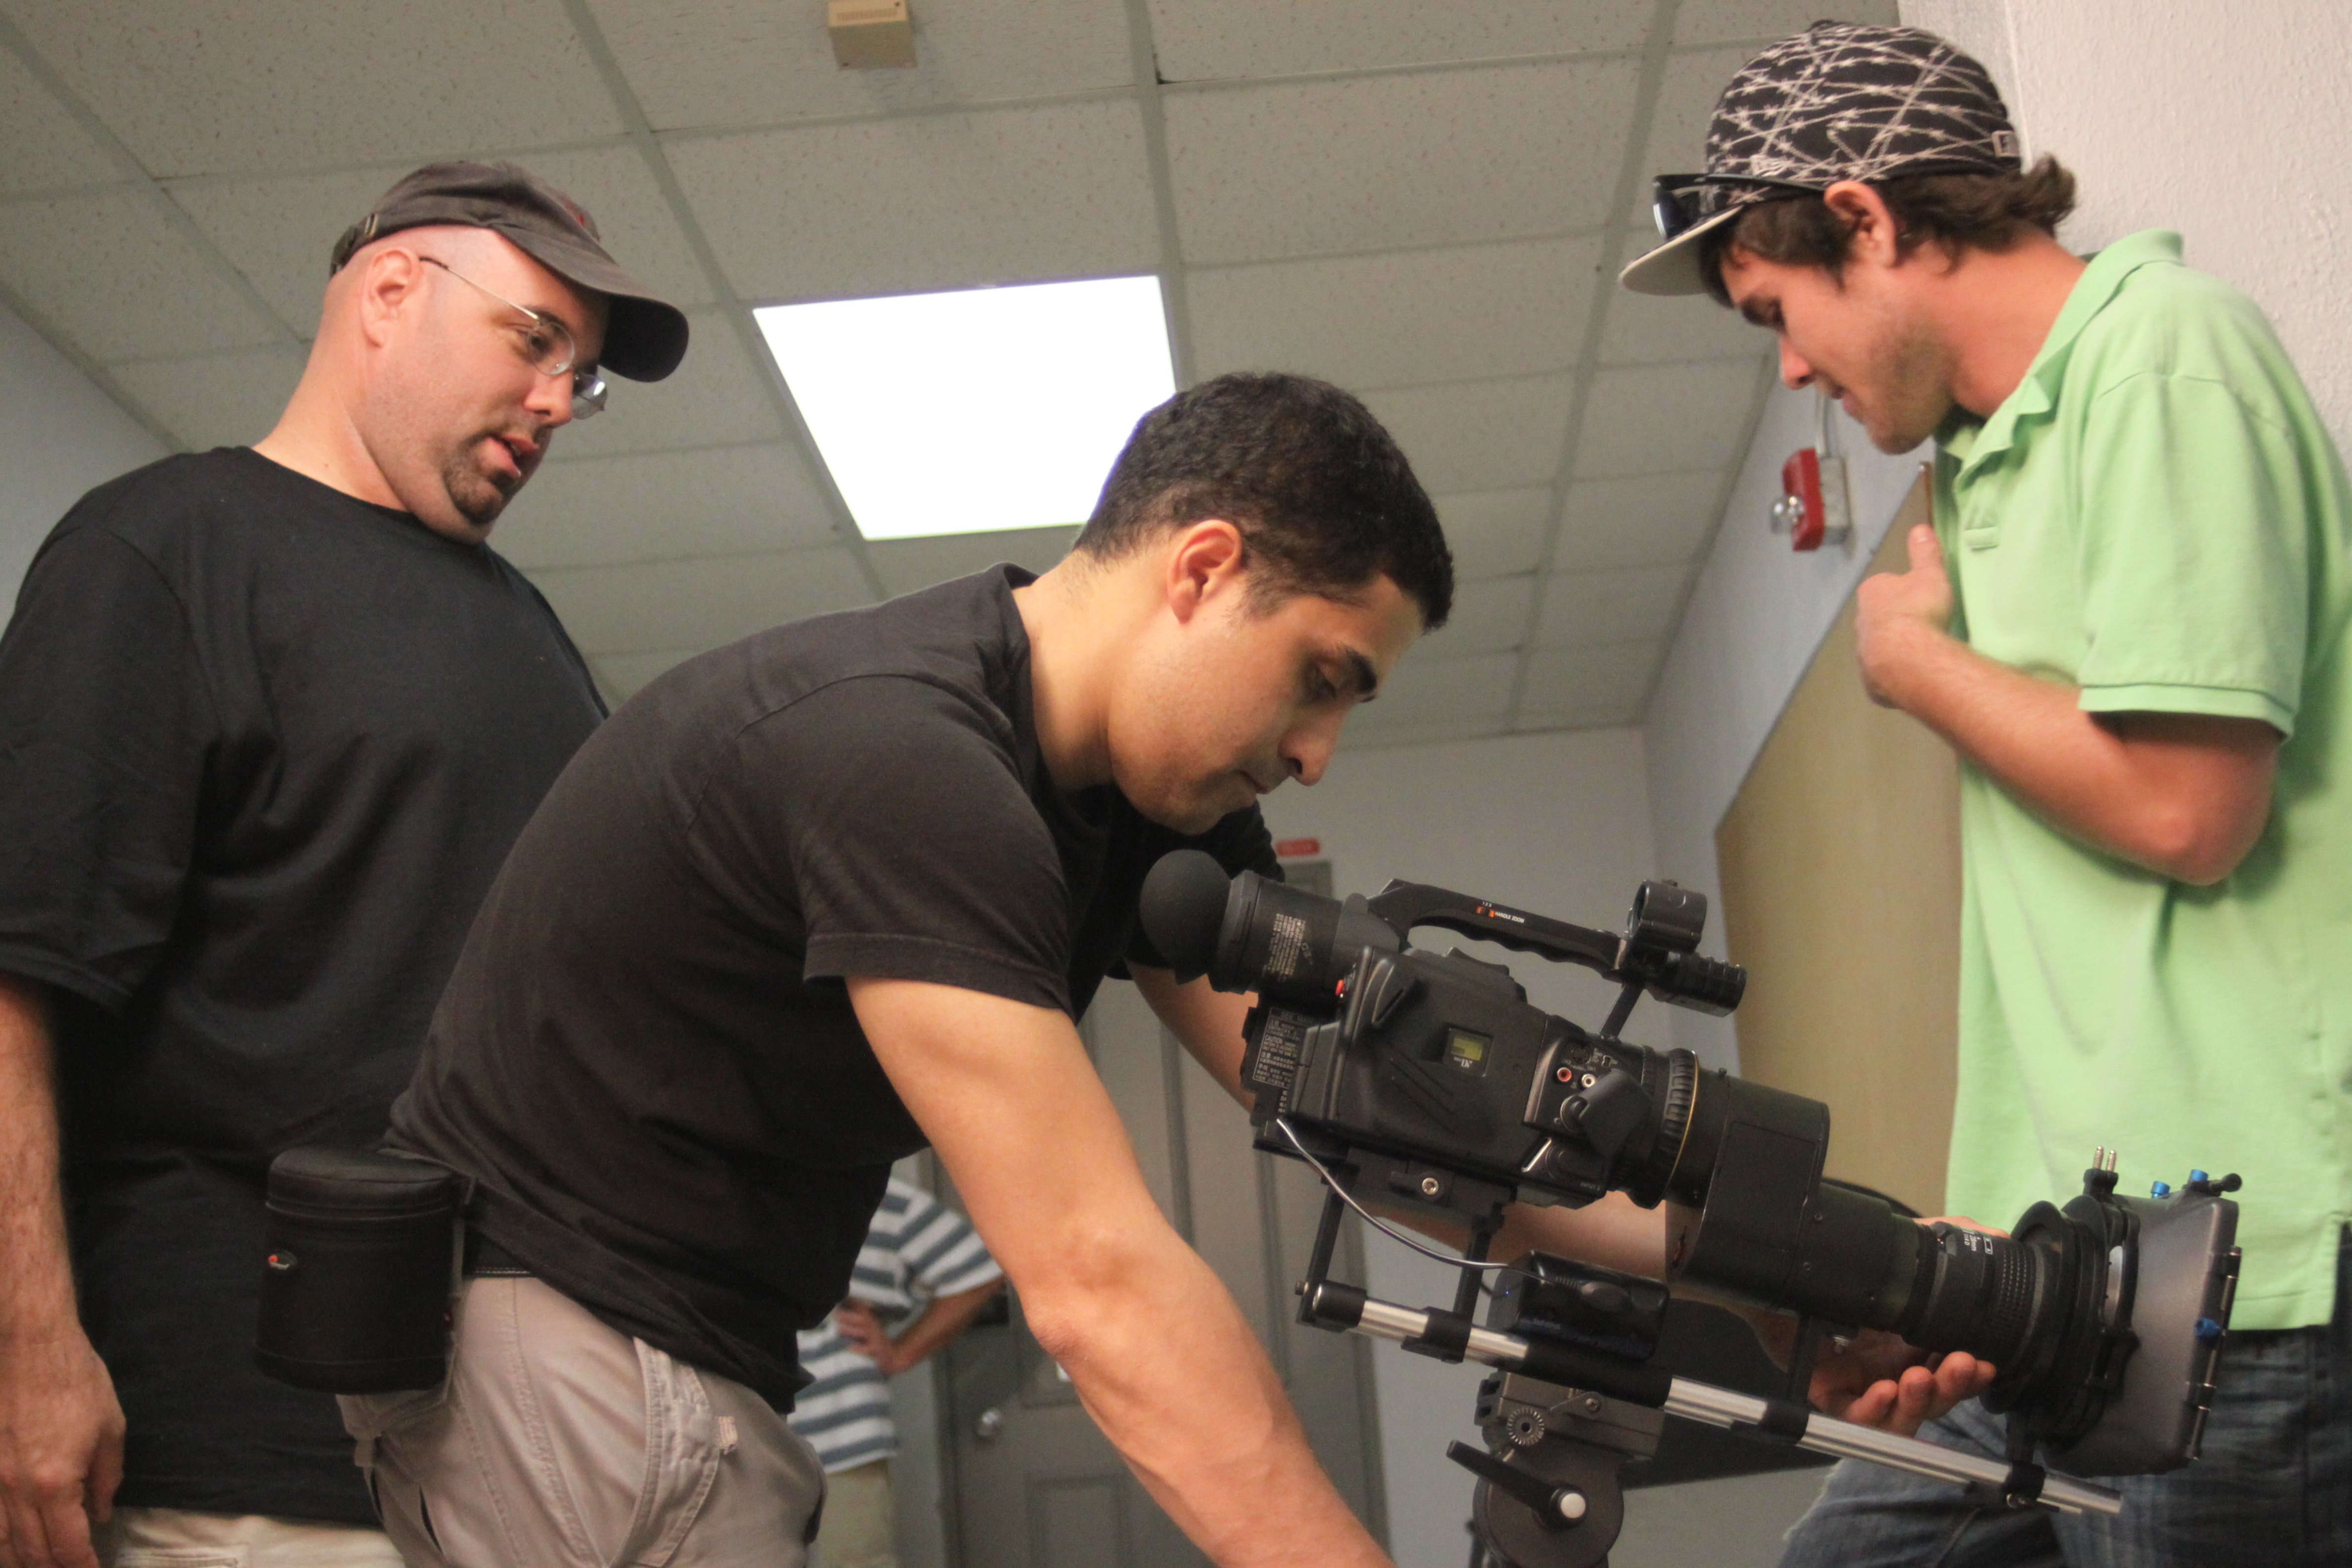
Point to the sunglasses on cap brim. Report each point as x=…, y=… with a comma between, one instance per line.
x=1681, y=202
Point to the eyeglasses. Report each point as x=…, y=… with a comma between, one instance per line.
x=1681, y=201
x=549, y=347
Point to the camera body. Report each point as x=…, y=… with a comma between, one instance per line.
x=1439, y=1087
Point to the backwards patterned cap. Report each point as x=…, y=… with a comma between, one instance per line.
x=1839, y=101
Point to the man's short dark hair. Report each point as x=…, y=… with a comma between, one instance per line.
x=1324, y=499
x=1983, y=212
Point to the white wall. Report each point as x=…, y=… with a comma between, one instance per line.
x=2222, y=120
x=1758, y=611
x=1555, y=824
x=59, y=434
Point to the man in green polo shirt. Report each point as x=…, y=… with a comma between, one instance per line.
x=2129, y=621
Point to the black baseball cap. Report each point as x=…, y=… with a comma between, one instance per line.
x=644, y=335
x=1841, y=100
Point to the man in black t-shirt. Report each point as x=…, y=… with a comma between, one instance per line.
x=816, y=898
x=269, y=719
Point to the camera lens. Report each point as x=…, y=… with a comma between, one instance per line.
x=2030, y=1304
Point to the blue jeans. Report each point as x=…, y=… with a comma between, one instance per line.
x=2273, y=1490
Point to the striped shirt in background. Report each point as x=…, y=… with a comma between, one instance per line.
x=917, y=1247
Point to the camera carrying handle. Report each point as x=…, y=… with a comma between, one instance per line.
x=1653, y=955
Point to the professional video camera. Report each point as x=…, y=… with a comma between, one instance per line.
x=1428, y=1083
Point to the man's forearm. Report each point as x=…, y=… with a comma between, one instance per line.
x=1169, y=1369
x=941, y=1321
x=2184, y=797
x=36, y=1298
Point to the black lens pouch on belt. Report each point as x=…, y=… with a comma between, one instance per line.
x=363, y=1262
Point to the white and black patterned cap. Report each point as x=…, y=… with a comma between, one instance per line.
x=1840, y=100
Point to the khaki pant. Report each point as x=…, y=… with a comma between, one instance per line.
x=181, y=1537
x=558, y=1443
x=859, y=1530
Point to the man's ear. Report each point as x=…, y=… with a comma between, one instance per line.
x=1206, y=559
x=1862, y=210
x=389, y=283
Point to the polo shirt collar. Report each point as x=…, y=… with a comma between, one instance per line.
x=1973, y=443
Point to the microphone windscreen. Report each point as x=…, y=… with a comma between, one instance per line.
x=1182, y=909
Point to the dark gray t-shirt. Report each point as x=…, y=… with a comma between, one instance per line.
x=262, y=748
x=646, y=1057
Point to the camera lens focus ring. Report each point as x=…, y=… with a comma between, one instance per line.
x=1977, y=1293
x=1671, y=1078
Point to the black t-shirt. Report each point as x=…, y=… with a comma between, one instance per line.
x=647, y=1055
x=262, y=748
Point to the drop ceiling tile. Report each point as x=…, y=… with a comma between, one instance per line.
x=1496, y=534
x=1415, y=158
x=1653, y=329
x=1588, y=687
x=1665, y=419
x=278, y=232
x=1658, y=519
x=663, y=506
x=700, y=604
x=321, y=83
x=1475, y=727
x=1403, y=317
x=1199, y=40
x=623, y=674
x=1695, y=79
x=1479, y=435
x=1422, y=692
x=1591, y=609
x=219, y=400
x=46, y=147
x=908, y=564
x=939, y=201
x=1711, y=21
x=117, y=279
x=755, y=62
x=715, y=398
x=1488, y=617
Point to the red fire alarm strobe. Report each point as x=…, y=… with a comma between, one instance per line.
x=1813, y=508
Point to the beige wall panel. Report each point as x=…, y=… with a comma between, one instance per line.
x=1841, y=865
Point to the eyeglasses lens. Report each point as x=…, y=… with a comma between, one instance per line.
x=588, y=394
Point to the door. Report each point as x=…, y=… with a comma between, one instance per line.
x=1034, y=1484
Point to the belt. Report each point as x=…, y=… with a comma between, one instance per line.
x=486, y=1257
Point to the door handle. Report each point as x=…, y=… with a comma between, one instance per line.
x=991, y=1423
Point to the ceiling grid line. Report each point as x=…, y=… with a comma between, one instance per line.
x=1175, y=294
x=739, y=315
x=1406, y=248
x=99, y=377
x=1656, y=49
x=135, y=176
x=1405, y=68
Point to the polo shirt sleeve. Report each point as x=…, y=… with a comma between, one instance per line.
x=907, y=834
x=2193, y=557
x=105, y=728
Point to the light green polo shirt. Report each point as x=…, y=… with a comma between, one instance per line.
x=2157, y=516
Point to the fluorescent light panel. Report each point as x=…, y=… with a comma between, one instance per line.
x=977, y=410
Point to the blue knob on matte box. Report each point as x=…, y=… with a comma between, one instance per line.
x=2161, y=1190
x=2207, y=1329
x=2198, y=1176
